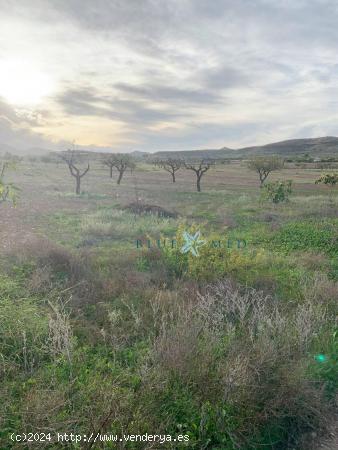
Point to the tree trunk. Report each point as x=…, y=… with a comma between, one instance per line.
x=260, y=179
x=120, y=177
x=78, y=185
x=198, y=184
x=173, y=175
x=111, y=171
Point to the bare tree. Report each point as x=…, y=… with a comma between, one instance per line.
x=121, y=162
x=200, y=168
x=69, y=158
x=264, y=165
x=170, y=165
x=109, y=163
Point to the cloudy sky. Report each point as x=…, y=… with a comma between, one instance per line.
x=166, y=74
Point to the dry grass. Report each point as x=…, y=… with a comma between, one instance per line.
x=240, y=345
x=227, y=344
x=321, y=289
x=60, y=332
x=119, y=223
x=314, y=261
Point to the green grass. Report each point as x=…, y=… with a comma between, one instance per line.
x=140, y=357
x=311, y=235
x=122, y=224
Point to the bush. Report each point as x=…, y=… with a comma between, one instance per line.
x=240, y=351
x=330, y=179
x=220, y=255
x=278, y=191
x=8, y=191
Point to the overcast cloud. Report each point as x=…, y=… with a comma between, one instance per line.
x=172, y=74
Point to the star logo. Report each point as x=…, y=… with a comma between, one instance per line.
x=192, y=243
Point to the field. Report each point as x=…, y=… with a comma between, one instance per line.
x=233, y=349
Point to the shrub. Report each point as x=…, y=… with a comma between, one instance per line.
x=278, y=191
x=240, y=351
x=220, y=255
x=330, y=179
x=8, y=191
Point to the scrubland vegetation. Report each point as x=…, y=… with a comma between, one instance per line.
x=236, y=348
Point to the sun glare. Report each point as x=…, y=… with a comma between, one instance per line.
x=22, y=84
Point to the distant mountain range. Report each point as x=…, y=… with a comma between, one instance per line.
x=207, y=153
x=314, y=147
x=323, y=146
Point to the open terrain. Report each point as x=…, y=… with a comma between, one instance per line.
x=235, y=348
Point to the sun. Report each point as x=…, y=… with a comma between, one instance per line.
x=23, y=84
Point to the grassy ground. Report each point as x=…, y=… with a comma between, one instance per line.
x=236, y=348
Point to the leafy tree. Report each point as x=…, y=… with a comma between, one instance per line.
x=121, y=162
x=170, y=165
x=330, y=179
x=264, y=165
x=8, y=191
x=200, y=168
x=277, y=191
x=69, y=158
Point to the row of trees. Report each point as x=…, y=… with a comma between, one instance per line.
x=198, y=167
x=262, y=165
x=122, y=162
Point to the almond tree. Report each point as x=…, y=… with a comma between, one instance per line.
x=109, y=163
x=170, y=165
x=121, y=162
x=200, y=168
x=264, y=165
x=75, y=172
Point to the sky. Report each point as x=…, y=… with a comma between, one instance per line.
x=152, y=75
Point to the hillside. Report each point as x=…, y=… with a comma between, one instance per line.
x=207, y=153
x=316, y=147
x=323, y=146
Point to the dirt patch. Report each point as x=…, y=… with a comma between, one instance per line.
x=139, y=208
